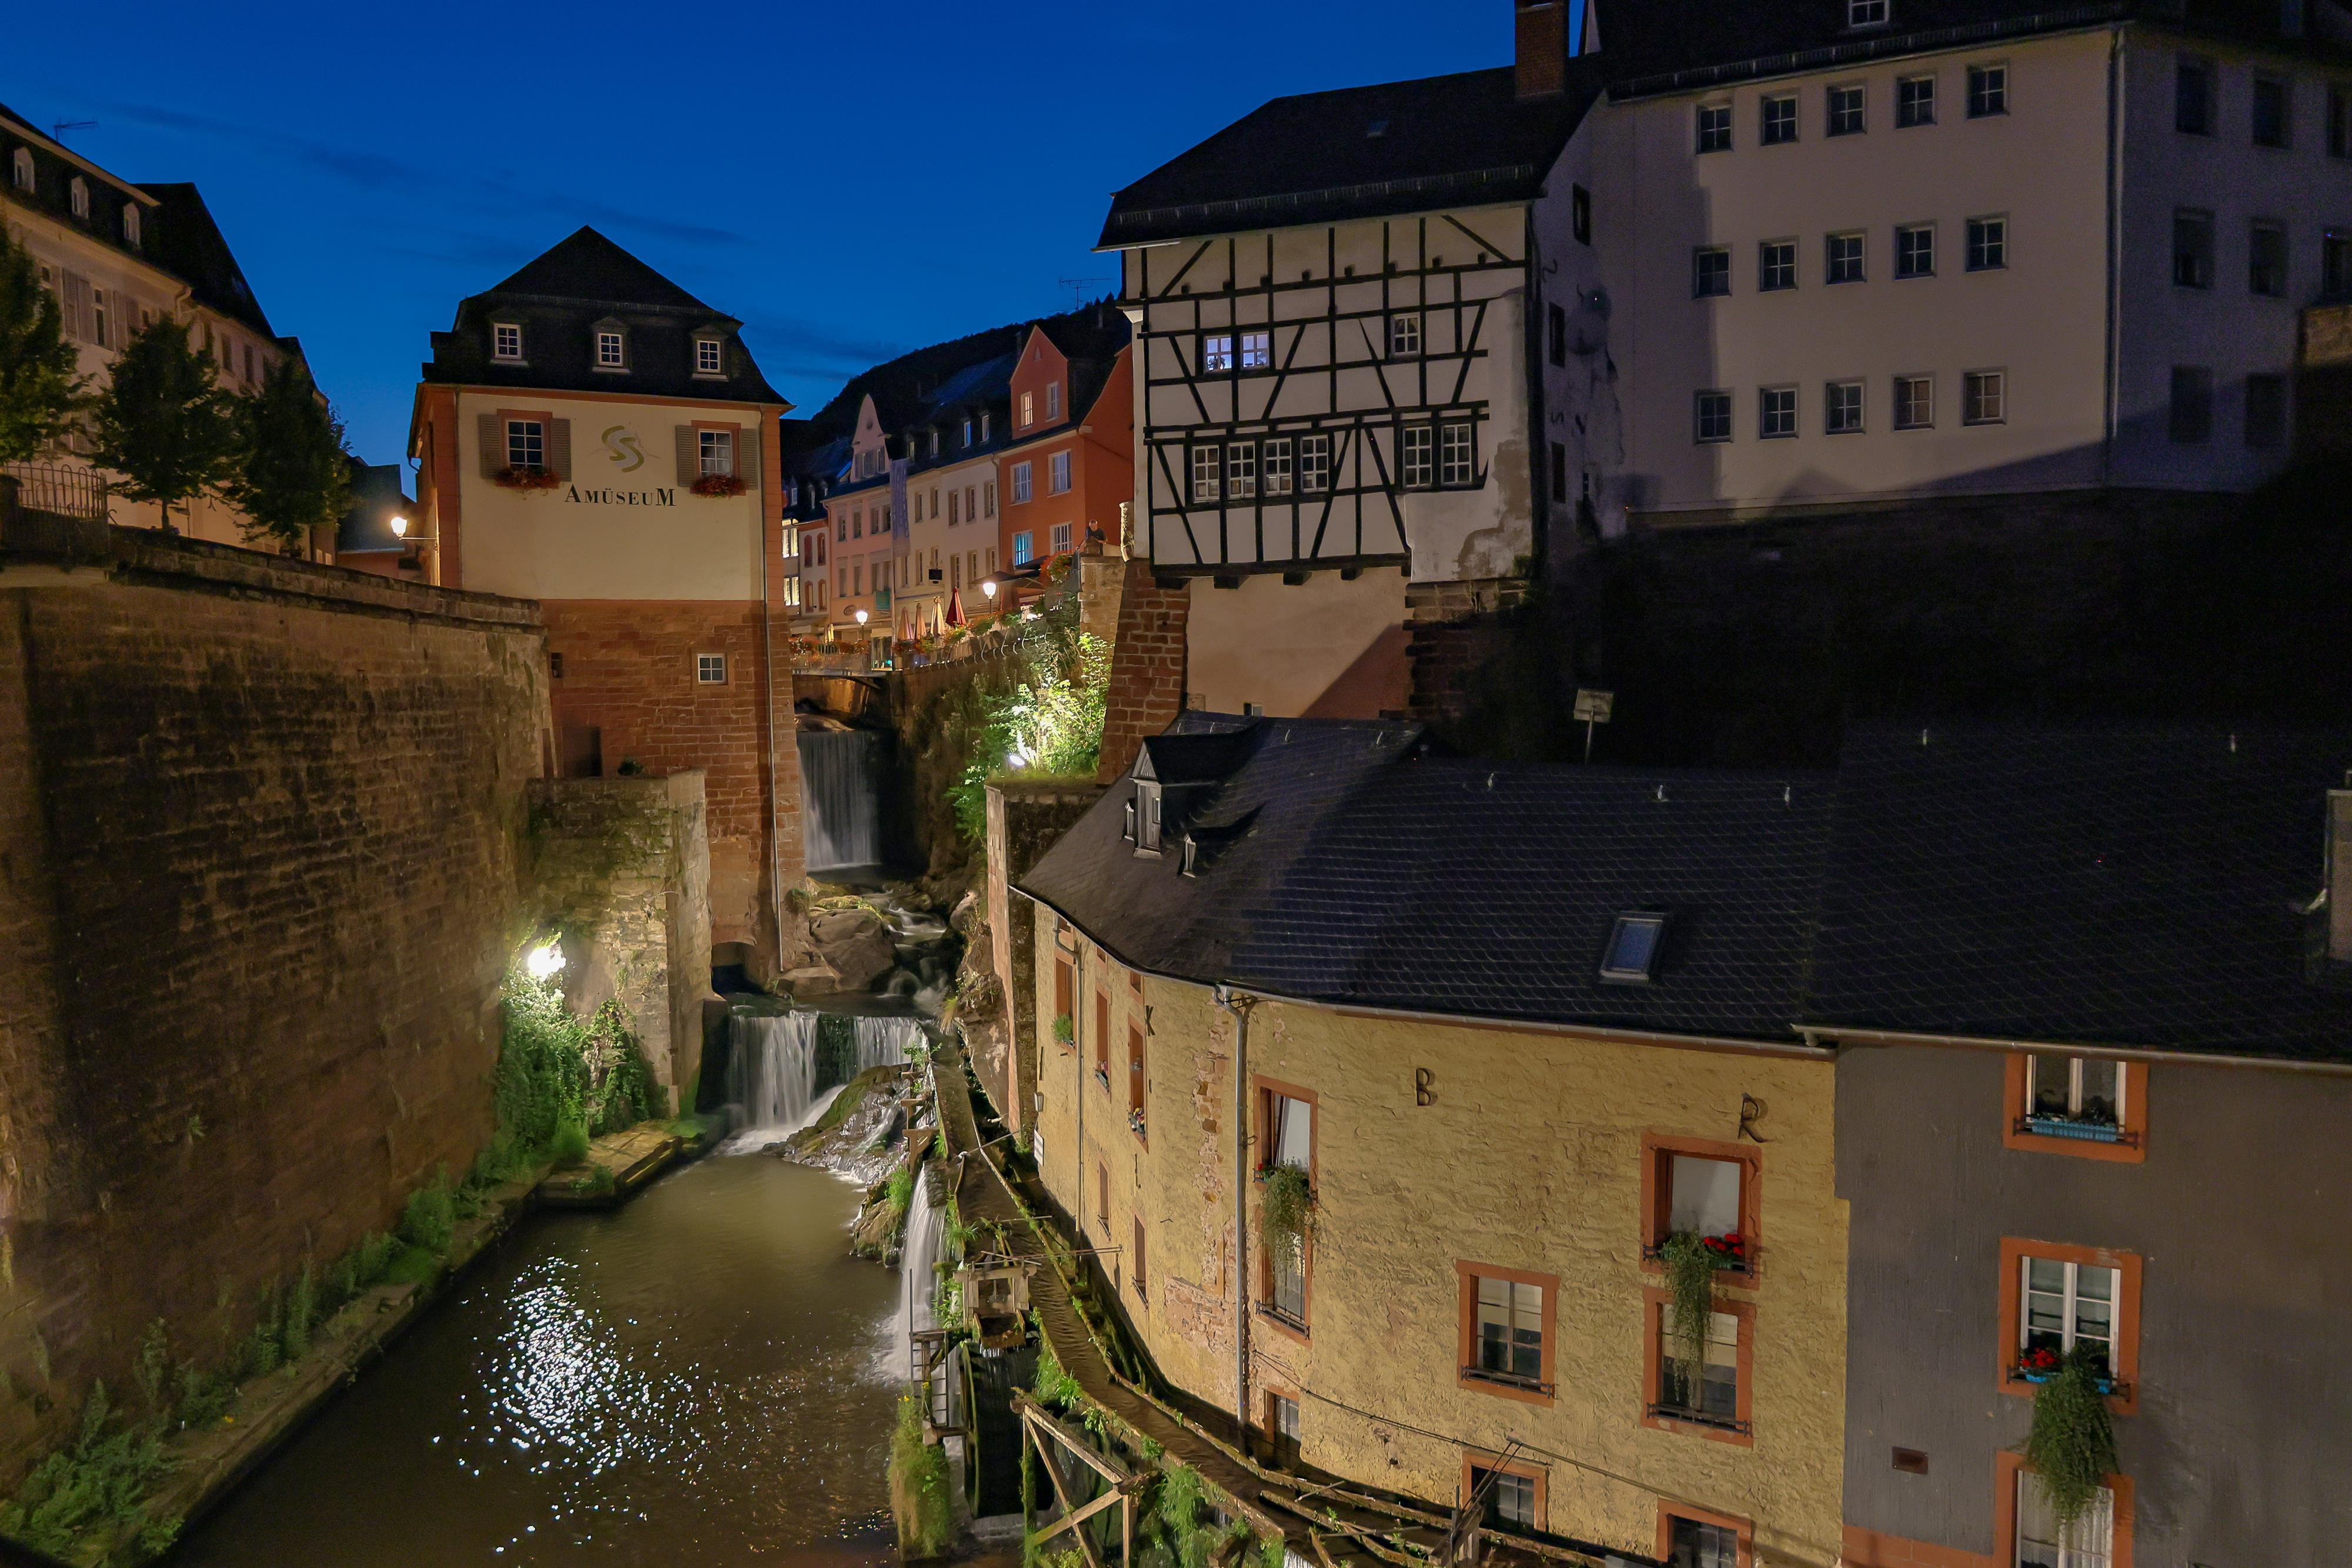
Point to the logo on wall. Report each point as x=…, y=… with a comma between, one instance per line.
x=621, y=446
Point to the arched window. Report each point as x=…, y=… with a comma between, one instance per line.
x=130, y=224
x=20, y=168
x=79, y=193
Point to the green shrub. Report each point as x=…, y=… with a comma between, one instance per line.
x=1053, y=1384
x=1042, y=713
x=570, y=1144
x=155, y=1369
x=90, y=1488
x=542, y=1075
x=2072, y=1444
x=1690, y=1296
x=920, y=1483
x=301, y=1308
x=899, y=1191
x=413, y=1266
x=430, y=1220
x=202, y=1400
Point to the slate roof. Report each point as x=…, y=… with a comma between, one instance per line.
x=2118, y=886
x=560, y=296
x=184, y=239
x=1348, y=861
x=1365, y=152
x=2097, y=886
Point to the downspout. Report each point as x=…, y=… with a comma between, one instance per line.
x=1240, y=1006
x=2114, y=245
x=1078, y=1050
x=768, y=673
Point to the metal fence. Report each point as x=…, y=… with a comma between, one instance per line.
x=59, y=490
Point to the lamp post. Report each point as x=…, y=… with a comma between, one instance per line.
x=399, y=526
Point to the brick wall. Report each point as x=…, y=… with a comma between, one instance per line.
x=1147, y=668
x=630, y=671
x=260, y=844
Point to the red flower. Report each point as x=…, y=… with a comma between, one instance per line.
x=717, y=484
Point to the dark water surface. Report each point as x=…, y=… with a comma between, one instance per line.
x=691, y=1379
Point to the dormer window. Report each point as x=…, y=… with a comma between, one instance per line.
x=1190, y=865
x=20, y=168
x=1866, y=13
x=130, y=224
x=506, y=342
x=935, y=444
x=612, y=348
x=79, y=193
x=1053, y=400
x=1147, y=817
x=1631, y=956
x=984, y=426
x=967, y=432
x=708, y=357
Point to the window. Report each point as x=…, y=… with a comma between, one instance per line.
x=1134, y=1075
x=506, y=341
x=1506, y=1330
x=1841, y=408
x=1843, y=253
x=1135, y=1276
x=1914, y=101
x=1711, y=416
x=1021, y=483
x=1780, y=123
x=2192, y=95
x=2266, y=412
x=608, y=350
x=1579, y=213
x=1257, y=354
x=1456, y=464
x=1282, y=1420
x=1984, y=397
x=2339, y=122
x=708, y=357
x=1697, y=1383
x=1413, y=464
x=78, y=193
x=710, y=669
x=1556, y=320
x=1286, y=1132
x=1024, y=548
x=1216, y=357
x=2192, y=249
x=2271, y=111
x=1715, y=127
x=20, y=168
x=1710, y=271
x=1241, y=470
x=1846, y=105
x=2191, y=418
x=2084, y=1100
x=987, y=498
x=1632, y=950
x=1276, y=461
x=1914, y=251
x=1776, y=412
x=1987, y=92
x=1207, y=478
x=967, y=432
x=1988, y=244
x=2266, y=259
x=1914, y=402
x=2058, y=1299
x=1404, y=335
x=130, y=224
x=1053, y=400
x=98, y=323
x=2044, y=1542
x=1686, y=1539
x=1506, y=1498
x=1029, y=409
x=1102, y=1195
x=1314, y=464
x=1865, y=12
x=955, y=508
x=526, y=443
x=716, y=451
x=1776, y=265
x=1057, y=475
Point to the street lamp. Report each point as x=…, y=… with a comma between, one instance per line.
x=399, y=527
x=863, y=617
x=989, y=588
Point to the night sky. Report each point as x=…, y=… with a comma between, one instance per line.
x=851, y=179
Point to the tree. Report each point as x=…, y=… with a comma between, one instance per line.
x=40, y=390
x=292, y=470
x=163, y=425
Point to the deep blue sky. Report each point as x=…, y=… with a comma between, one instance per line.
x=851, y=180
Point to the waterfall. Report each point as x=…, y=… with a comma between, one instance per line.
x=840, y=791
x=781, y=1077
x=917, y=1266
x=883, y=1042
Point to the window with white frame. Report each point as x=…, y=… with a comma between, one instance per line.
x=967, y=432
x=1415, y=465
x=1776, y=265
x=611, y=351
x=78, y=193
x=1241, y=470
x=984, y=418
x=1914, y=402
x=1314, y=464
x=2075, y=1096
x=1456, y=462
x=1274, y=460
x=1216, y=354
x=1776, y=412
x=1023, y=482
x=1842, y=258
x=1711, y=416
x=506, y=340
x=1987, y=92
x=1848, y=104
x=1984, y=397
x=20, y=168
x=1866, y=13
x=709, y=357
x=1060, y=537
x=1257, y=350
x=1057, y=473
x=130, y=224
x=710, y=669
x=97, y=318
x=1841, y=408
x=1915, y=250
x=1028, y=410
x=1208, y=481
x=1707, y=1386
x=1914, y=101
x=2044, y=1542
x=1053, y=400
x=2063, y=1307
x=718, y=451
x=1509, y=1498
x=1715, y=127
x=987, y=495
x=526, y=443
x=1710, y=271
x=1988, y=244
x=1508, y=1332
x=1779, y=119
x=1404, y=335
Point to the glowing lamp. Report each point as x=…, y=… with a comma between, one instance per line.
x=989, y=588
x=863, y=618
x=399, y=527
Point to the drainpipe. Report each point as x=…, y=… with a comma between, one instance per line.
x=1078, y=1050
x=2114, y=254
x=768, y=671
x=1240, y=1006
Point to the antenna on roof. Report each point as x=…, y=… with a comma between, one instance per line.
x=1078, y=287
x=57, y=128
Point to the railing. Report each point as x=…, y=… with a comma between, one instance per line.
x=1700, y=1418
x=2088, y=1132
x=60, y=491
x=1507, y=1380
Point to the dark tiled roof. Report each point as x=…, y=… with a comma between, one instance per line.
x=2124, y=887
x=1343, y=862
x=559, y=299
x=54, y=168
x=1407, y=146
x=184, y=239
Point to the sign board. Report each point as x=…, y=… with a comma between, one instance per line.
x=1592, y=706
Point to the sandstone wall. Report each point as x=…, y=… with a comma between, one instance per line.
x=1023, y=822
x=1147, y=667
x=261, y=831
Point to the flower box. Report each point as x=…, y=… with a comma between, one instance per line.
x=1730, y=1251
x=2045, y=1366
x=1135, y=1123
x=2064, y=1127
x=716, y=485
x=527, y=479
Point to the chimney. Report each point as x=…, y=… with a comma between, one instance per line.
x=1542, y=47
x=2340, y=874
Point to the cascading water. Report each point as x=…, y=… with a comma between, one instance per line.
x=778, y=1072
x=840, y=772
x=918, y=1276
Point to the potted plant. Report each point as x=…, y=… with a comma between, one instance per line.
x=2072, y=1446
x=1690, y=1264
x=527, y=477
x=1285, y=1199
x=1066, y=1032
x=1135, y=1122
x=716, y=485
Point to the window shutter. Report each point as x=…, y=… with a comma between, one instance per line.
x=77, y=311
x=494, y=444
x=559, y=448
x=746, y=456
x=689, y=455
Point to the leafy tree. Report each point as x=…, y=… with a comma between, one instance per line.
x=163, y=425
x=40, y=390
x=292, y=469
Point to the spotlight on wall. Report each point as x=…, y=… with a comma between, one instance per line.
x=399, y=527
x=544, y=961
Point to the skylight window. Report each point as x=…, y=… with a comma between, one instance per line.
x=1633, y=954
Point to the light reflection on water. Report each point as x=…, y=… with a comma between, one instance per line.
x=690, y=1378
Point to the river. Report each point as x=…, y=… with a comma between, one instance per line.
x=693, y=1378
